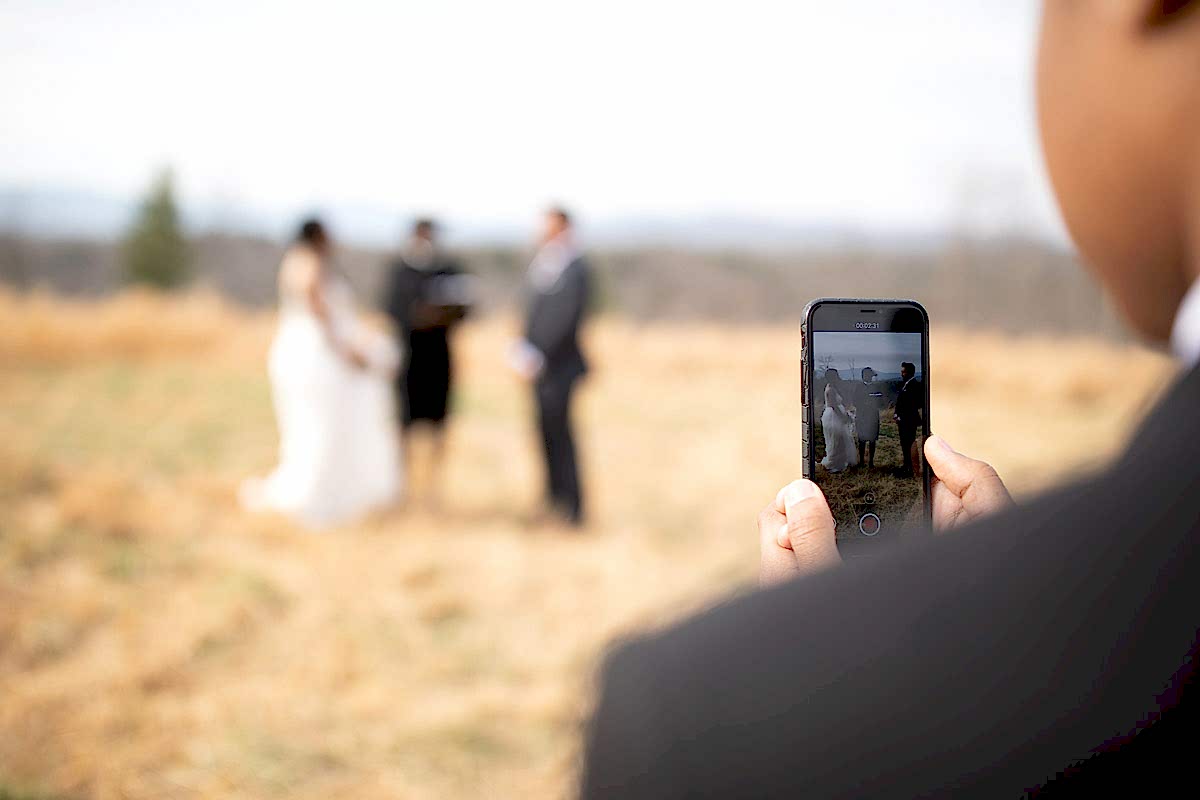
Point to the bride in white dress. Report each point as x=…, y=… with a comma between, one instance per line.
x=330, y=383
x=838, y=426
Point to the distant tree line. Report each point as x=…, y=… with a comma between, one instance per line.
x=1007, y=283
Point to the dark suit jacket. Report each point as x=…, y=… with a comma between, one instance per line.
x=910, y=405
x=1056, y=640
x=554, y=320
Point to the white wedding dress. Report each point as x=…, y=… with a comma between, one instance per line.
x=338, y=448
x=838, y=426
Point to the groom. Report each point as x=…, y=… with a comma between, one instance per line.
x=549, y=356
x=910, y=411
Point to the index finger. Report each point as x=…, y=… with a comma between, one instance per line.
x=969, y=479
x=776, y=563
x=770, y=524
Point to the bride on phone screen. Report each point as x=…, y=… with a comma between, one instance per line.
x=838, y=426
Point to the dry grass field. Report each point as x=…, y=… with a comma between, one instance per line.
x=157, y=642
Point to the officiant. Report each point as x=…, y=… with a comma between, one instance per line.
x=427, y=295
x=868, y=402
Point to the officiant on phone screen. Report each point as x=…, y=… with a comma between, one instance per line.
x=427, y=295
x=558, y=285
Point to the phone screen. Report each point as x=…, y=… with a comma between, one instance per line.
x=869, y=389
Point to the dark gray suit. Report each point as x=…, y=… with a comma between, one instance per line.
x=552, y=327
x=1052, y=646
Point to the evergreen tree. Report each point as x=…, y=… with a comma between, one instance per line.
x=156, y=252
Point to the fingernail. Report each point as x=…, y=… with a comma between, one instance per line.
x=799, y=492
x=782, y=537
x=946, y=446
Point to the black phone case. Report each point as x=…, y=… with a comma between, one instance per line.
x=808, y=424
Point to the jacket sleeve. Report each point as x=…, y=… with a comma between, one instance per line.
x=397, y=300
x=555, y=327
x=460, y=312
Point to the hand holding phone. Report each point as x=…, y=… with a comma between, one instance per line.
x=865, y=402
x=797, y=530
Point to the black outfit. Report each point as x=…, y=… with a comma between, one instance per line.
x=1052, y=646
x=910, y=408
x=553, y=328
x=415, y=300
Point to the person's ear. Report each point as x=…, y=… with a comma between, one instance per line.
x=1161, y=13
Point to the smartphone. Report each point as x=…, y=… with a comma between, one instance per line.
x=864, y=386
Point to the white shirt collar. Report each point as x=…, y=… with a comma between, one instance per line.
x=1185, y=332
x=550, y=262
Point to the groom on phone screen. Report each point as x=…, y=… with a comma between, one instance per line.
x=910, y=409
x=549, y=356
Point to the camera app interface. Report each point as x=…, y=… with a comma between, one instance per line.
x=869, y=424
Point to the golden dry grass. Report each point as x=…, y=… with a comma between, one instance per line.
x=155, y=641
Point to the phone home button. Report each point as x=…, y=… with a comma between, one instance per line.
x=869, y=524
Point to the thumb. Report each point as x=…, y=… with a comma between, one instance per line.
x=810, y=530
x=972, y=481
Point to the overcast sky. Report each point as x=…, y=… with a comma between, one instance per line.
x=883, y=352
x=879, y=114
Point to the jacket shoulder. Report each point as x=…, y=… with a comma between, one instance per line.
x=784, y=683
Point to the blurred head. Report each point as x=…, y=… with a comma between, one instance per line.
x=313, y=234
x=868, y=374
x=424, y=229
x=1119, y=112
x=832, y=375
x=907, y=370
x=556, y=222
